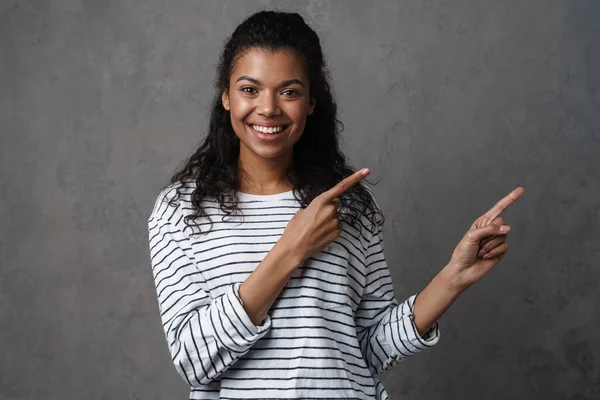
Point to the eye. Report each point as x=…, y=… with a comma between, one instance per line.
x=249, y=90
x=290, y=93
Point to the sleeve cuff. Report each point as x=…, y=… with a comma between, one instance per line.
x=232, y=325
x=401, y=333
x=244, y=318
x=430, y=337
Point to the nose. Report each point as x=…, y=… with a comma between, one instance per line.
x=268, y=105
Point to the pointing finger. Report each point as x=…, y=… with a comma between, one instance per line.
x=345, y=184
x=503, y=204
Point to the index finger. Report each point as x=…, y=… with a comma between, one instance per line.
x=503, y=204
x=345, y=184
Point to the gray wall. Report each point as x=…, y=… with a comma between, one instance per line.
x=451, y=104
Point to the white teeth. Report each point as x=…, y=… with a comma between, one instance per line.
x=265, y=129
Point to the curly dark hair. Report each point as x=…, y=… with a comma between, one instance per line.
x=318, y=162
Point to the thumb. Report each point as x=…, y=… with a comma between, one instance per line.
x=474, y=236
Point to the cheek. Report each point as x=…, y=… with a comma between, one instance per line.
x=298, y=113
x=240, y=107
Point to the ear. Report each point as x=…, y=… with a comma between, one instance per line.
x=311, y=106
x=225, y=100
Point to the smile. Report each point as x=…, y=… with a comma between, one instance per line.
x=270, y=130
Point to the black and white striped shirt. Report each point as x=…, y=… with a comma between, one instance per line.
x=334, y=327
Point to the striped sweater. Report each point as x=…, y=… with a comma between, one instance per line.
x=334, y=327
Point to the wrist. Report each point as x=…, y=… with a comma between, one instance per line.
x=292, y=254
x=450, y=280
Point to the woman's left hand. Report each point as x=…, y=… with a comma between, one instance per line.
x=483, y=246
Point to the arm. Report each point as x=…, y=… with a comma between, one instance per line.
x=205, y=335
x=259, y=291
x=386, y=330
x=480, y=250
x=387, y=333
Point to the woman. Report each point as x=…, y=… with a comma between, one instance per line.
x=267, y=248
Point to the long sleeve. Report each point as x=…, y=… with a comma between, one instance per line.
x=385, y=328
x=205, y=335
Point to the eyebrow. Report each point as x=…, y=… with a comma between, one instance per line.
x=282, y=84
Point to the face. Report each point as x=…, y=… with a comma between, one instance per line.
x=269, y=101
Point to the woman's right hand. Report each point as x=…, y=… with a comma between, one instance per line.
x=316, y=226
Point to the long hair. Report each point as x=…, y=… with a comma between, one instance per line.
x=318, y=162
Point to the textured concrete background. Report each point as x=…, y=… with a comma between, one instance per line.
x=452, y=105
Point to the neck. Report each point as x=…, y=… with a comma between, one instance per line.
x=264, y=176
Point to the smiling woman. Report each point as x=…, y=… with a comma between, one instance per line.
x=285, y=292
x=269, y=103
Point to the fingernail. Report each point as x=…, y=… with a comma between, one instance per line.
x=505, y=228
x=365, y=171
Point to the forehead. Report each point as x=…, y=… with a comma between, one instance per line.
x=270, y=67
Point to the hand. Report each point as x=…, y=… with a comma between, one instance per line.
x=483, y=246
x=314, y=227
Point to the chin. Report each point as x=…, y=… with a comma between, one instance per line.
x=269, y=154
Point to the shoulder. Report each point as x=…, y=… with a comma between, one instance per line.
x=173, y=197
